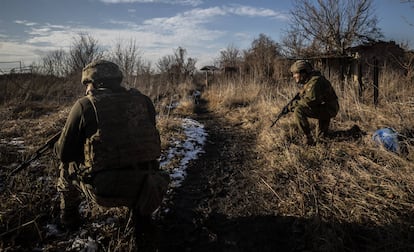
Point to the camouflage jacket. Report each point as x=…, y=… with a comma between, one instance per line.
x=318, y=91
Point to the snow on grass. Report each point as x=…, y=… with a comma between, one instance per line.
x=187, y=150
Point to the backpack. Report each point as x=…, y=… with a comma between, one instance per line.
x=125, y=141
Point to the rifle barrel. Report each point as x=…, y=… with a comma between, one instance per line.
x=286, y=106
x=39, y=152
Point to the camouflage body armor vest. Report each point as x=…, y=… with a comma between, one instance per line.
x=125, y=135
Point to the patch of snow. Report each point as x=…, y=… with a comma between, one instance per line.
x=188, y=150
x=17, y=141
x=52, y=230
x=45, y=179
x=87, y=245
x=173, y=105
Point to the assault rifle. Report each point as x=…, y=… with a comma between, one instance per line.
x=285, y=109
x=38, y=153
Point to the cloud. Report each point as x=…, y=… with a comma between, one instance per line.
x=186, y=20
x=156, y=37
x=25, y=22
x=180, y=2
x=12, y=51
x=256, y=12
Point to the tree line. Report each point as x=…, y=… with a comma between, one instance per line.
x=316, y=28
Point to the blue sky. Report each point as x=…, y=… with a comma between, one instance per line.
x=31, y=28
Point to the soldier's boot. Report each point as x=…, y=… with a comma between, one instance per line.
x=70, y=218
x=323, y=128
x=146, y=232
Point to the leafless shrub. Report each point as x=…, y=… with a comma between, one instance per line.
x=84, y=50
x=55, y=63
x=128, y=58
x=259, y=59
x=177, y=68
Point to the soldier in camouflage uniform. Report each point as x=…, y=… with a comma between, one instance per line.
x=317, y=100
x=100, y=77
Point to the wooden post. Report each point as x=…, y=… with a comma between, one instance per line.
x=360, y=84
x=342, y=73
x=206, y=78
x=376, y=84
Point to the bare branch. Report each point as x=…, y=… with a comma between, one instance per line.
x=334, y=24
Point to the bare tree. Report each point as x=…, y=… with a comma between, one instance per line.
x=129, y=59
x=176, y=67
x=54, y=63
x=335, y=24
x=260, y=58
x=84, y=49
x=184, y=68
x=230, y=57
x=293, y=42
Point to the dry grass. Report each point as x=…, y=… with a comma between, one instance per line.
x=345, y=181
x=337, y=185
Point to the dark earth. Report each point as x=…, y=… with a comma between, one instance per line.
x=219, y=207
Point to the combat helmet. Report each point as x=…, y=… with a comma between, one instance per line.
x=101, y=71
x=301, y=65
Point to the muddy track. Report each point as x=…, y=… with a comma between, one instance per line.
x=219, y=206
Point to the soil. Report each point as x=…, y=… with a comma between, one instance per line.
x=219, y=207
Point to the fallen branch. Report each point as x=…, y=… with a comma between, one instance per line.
x=271, y=189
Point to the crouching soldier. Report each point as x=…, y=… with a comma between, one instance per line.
x=317, y=99
x=109, y=150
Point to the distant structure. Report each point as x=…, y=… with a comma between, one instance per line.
x=208, y=70
x=12, y=67
x=362, y=64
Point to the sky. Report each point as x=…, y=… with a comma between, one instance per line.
x=29, y=29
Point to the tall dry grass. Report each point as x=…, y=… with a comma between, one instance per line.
x=338, y=185
x=345, y=182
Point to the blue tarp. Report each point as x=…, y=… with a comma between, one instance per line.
x=388, y=138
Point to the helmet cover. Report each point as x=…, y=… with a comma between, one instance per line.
x=301, y=65
x=101, y=70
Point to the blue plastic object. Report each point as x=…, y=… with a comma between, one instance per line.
x=388, y=138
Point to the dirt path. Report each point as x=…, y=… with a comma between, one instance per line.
x=219, y=206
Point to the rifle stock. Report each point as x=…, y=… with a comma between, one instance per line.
x=38, y=153
x=284, y=110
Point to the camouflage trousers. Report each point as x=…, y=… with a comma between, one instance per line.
x=110, y=188
x=70, y=187
x=322, y=113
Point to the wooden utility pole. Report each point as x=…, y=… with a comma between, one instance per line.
x=360, y=84
x=376, y=84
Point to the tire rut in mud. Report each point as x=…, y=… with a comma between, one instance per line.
x=218, y=207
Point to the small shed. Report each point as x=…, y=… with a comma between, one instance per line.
x=208, y=70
